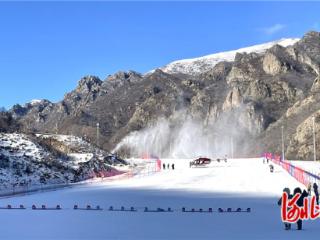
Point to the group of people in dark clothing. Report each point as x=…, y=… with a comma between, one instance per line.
x=164, y=166
x=300, y=201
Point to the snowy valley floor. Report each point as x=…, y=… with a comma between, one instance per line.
x=239, y=183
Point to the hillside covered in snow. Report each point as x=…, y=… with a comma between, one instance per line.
x=27, y=160
x=199, y=65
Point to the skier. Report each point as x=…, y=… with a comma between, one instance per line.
x=304, y=194
x=172, y=166
x=164, y=166
x=271, y=168
x=168, y=166
x=287, y=225
x=315, y=189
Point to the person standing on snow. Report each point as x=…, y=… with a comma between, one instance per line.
x=316, y=193
x=309, y=189
x=287, y=225
x=164, y=166
x=304, y=194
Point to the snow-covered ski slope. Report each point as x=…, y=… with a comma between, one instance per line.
x=238, y=183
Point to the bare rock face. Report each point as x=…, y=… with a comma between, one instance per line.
x=233, y=99
x=272, y=65
x=301, y=144
x=254, y=93
x=246, y=68
x=316, y=85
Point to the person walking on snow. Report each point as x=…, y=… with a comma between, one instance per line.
x=316, y=193
x=304, y=194
x=287, y=225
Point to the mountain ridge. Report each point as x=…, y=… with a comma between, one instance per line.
x=198, y=64
x=246, y=99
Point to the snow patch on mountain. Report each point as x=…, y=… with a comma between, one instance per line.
x=201, y=64
x=36, y=101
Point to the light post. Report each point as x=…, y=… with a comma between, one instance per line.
x=282, y=141
x=314, y=139
x=98, y=131
x=232, y=147
x=158, y=148
x=207, y=144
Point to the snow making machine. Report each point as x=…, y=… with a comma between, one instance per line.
x=202, y=161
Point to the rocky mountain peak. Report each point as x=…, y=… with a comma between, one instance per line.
x=89, y=83
x=122, y=75
x=311, y=35
x=35, y=105
x=38, y=102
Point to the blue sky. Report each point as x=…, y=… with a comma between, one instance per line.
x=46, y=47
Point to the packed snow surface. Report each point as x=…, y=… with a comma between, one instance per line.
x=202, y=64
x=238, y=183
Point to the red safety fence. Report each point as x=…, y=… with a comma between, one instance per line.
x=155, y=162
x=299, y=174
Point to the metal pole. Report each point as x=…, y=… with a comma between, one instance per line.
x=282, y=140
x=207, y=138
x=158, y=148
x=98, y=128
x=314, y=139
x=232, y=147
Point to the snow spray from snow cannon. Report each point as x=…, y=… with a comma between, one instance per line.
x=184, y=136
